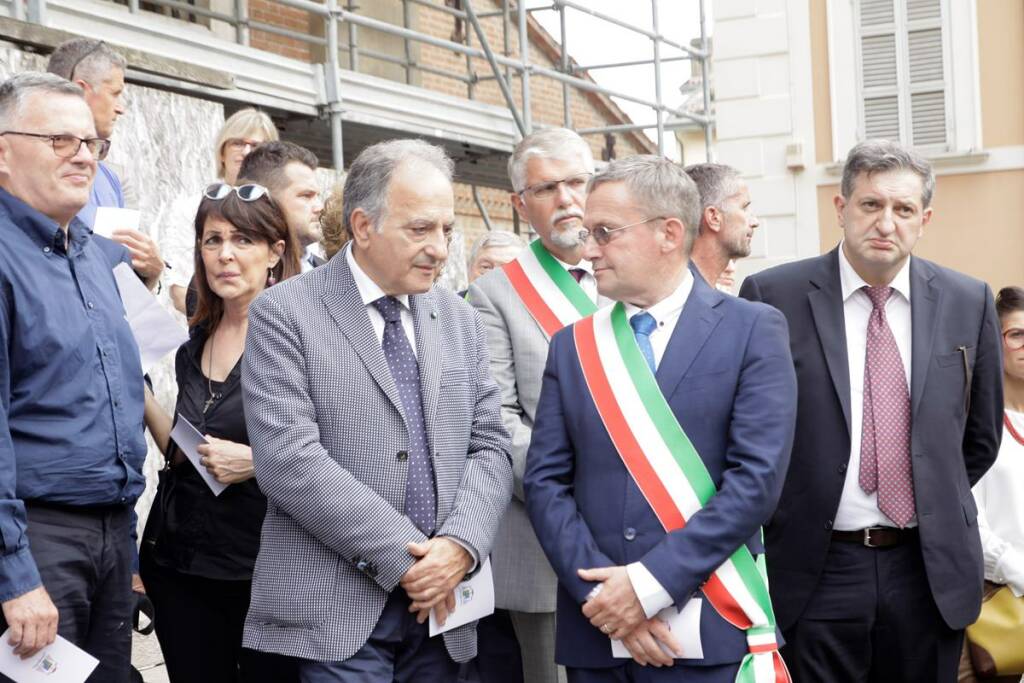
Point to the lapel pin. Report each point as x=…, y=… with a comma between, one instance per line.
x=433, y=315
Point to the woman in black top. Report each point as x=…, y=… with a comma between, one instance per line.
x=199, y=549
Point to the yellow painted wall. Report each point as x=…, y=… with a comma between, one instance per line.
x=977, y=227
x=820, y=83
x=1001, y=56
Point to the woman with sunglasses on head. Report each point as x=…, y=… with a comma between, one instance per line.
x=199, y=549
x=242, y=132
x=1000, y=493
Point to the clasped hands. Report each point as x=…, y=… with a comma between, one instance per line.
x=441, y=564
x=613, y=607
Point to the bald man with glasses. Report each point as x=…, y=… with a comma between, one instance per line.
x=71, y=434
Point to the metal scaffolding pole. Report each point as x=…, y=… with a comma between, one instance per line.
x=524, y=57
x=566, y=110
x=705, y=82
x=332, y=82
x=353, y=45
x=482, y=209
x=506, y=91
x=656, y=42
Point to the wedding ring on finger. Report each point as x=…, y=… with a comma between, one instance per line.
x=606, y=629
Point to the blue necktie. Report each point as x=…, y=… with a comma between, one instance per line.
x=643, y=324
x=420, y=500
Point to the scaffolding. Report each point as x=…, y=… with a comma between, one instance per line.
x=342, y=17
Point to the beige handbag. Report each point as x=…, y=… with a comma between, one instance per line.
x=996, y=639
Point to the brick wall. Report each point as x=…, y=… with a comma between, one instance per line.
x=276, y=14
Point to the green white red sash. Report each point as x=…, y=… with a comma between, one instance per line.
x=672, y=477
x=549, y=292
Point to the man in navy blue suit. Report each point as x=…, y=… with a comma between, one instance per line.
x=715, y=376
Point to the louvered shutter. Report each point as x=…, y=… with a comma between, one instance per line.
x=902, y=79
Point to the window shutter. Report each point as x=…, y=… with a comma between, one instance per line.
x=902, y=74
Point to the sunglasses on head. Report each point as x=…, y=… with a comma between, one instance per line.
x=247, y=193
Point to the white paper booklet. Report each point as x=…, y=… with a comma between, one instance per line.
x=474, y=599
x=685, y=626
x=61, y=662
x=111, y=218
x=188, y=439
x=156, y=331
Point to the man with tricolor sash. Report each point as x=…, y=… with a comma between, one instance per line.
x=662, y=438
x=547, y=287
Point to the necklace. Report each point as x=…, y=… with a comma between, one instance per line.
x=1010, y=428
x=209, y=383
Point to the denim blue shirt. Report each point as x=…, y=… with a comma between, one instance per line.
x=71, y=429
x=106, y=191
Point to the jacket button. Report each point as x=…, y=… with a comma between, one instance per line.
x=402, y=456
x=828, y=524
x=842, y=468
x=361, y=565
x=629, y=534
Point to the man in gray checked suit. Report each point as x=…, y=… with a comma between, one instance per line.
x=376, y=436
x=549, y=171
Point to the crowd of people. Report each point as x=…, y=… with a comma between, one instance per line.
x=596, y=420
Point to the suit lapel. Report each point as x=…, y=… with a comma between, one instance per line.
x=428, y=355
x=346, y=307
x=696, y=322
x=925, y=298
x=827, y=309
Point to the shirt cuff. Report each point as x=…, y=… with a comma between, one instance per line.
x=652, y=596
x=469, y=549
x=18, y=574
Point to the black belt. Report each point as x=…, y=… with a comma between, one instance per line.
x=87, y=510
x=877, y=536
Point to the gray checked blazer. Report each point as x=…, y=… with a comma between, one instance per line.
x=328, y=438
x=523, y=578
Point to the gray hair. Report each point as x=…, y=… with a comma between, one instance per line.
x=494, y=239
x=89, y=59
x=715, y=182
x=550, y=143
x=366, y=185
x=876, y=156
x=16, y=89
x=661, y=186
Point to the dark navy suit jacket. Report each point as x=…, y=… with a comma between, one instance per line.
x=956, y=393
x=728, y=377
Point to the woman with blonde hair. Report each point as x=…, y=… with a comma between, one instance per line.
x=242, y=132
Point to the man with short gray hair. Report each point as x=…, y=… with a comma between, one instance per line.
x=874, y=550
x=376, y=436
x=71, y=433
x=99, y=71
x=727, y=222
x=492, y=250
x=547, y=286
x=662, y=435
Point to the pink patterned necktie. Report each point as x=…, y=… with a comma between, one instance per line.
x=885, y=436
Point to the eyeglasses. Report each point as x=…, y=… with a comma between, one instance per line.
x=236, y=144
x=575, y=183
x=1014, y=338
x=67, y=146
x=602, y=234
x=247, y=193
x=95, y=48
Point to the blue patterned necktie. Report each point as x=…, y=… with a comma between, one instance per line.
x=643, y=324
x=420, y=500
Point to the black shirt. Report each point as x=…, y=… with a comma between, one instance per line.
x=195, y=532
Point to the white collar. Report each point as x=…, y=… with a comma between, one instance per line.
x=369, y=291
x=671, y=305
x=584, y=265
x=852, y=282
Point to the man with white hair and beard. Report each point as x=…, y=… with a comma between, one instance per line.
x=523, y=304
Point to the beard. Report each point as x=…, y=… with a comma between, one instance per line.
x=567, y=236
x=739, y=247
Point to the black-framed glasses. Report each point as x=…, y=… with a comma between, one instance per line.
x=576, y=184
x=247, y=193
x=66, y=146
x=602, y=234
x=1014, y=338
x=95, y=48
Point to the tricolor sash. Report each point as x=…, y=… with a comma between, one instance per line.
x=550, y=294
x=672, y=477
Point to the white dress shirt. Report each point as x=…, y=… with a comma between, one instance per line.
x=1000, y=497
x=652, y=595
x=306, y=262
x=370, y=291
x=859, y=510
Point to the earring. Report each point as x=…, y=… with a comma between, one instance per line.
x=271, y=280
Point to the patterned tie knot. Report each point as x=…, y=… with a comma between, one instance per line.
x=643, y=323
x=878, y=296
x=389, y=308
